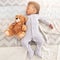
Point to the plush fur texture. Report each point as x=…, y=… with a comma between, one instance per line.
x=17, y=28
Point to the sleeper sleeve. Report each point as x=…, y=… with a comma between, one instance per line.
x=44, y=20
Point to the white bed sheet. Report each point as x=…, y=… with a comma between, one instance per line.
x=49, y=9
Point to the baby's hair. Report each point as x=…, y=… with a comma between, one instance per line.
x=36, y=5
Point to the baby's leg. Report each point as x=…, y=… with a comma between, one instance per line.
x=38, y=39
x=25, y=43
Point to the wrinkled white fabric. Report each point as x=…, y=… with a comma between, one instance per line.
x=33, y=32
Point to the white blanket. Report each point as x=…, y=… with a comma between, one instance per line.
x=49, y=9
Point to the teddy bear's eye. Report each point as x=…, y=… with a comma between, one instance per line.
x=16, y=18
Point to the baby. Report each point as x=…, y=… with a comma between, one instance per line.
x=33, y=32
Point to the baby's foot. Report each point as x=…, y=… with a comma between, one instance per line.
x=30, y=54
x=37, y=53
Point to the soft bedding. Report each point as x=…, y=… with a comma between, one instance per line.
x=50, y=10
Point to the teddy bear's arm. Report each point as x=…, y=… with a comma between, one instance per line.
x=9, y=32
x=12, y=25
x=24, y=28
x=25, y=20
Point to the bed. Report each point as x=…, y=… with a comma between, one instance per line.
x=50, y=10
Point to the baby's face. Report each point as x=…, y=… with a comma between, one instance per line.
x=31, y=9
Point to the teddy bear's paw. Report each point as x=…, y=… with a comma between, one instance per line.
x=7, y=33
x=24, y=28
x=21, y=35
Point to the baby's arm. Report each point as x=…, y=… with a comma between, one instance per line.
x=46, y=22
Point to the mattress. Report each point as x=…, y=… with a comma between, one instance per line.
x=10, y=48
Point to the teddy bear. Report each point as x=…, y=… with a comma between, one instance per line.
x=17, y=28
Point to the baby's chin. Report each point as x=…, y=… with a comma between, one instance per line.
x=28, y=13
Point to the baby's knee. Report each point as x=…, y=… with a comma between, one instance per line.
x=39, y=42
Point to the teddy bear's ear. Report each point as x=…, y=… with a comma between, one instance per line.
x=25, y=18
x=21, y=16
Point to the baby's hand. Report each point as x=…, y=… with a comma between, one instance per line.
x=51, y=26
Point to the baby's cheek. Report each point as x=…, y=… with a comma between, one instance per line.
x=29, y=11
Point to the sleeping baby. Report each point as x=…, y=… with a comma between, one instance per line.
x=33, y=32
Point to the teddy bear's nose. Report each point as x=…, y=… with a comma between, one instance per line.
x=17, y=20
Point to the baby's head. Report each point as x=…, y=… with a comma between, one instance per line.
x=32, y=8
